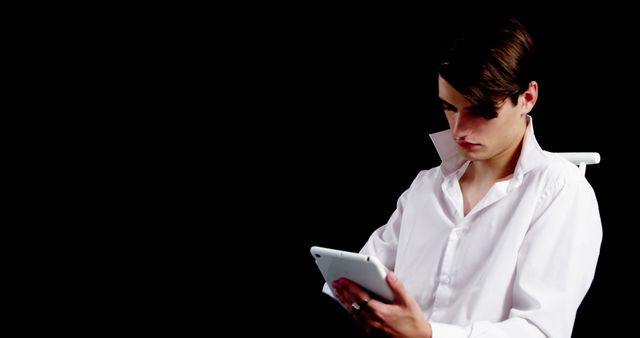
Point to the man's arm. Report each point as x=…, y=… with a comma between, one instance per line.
x=383, y=243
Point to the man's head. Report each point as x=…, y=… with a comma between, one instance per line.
x=486, y=87
x=491, y=61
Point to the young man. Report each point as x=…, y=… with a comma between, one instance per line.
x=501, y=239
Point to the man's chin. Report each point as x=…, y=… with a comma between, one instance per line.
x=473, y=155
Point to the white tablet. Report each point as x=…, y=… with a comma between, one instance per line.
x=366, y=271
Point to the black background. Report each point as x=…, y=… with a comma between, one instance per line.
x=302, y=126
x=187, y=158
x=336, y=126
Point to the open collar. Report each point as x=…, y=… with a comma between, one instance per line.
x=531, y=155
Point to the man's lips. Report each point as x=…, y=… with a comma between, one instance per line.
x=468, y=145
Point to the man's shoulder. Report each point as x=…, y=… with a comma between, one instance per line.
x=429, y=174
x=557, y=169
x=427, y=177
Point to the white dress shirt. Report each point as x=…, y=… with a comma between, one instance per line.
x=517, y=265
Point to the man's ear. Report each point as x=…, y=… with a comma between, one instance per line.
x=529, y=97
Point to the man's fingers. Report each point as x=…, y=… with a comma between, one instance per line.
x=352, y=296
x=400, y=293
x=350, y=291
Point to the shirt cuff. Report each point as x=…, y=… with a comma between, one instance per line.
x=441, y=330
x=326, y=289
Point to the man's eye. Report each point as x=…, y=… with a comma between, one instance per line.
x=447, y=108
x=477, y=113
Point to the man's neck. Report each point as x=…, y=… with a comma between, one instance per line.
x=499, y=167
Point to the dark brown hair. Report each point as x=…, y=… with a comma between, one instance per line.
x=491, y=61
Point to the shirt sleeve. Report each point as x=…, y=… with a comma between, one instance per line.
x=555, y=268
x=383, y=242
x=512, y=327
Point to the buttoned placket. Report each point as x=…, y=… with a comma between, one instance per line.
x=447, y=272
x=452, y=191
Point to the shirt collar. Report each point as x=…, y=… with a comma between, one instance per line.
x=531, y=155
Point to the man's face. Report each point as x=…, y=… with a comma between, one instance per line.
x=477, y=138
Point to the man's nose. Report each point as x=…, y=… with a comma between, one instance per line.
x=461, y=126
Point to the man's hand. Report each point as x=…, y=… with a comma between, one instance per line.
x=402, y=318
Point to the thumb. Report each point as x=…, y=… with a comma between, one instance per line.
x=400, y=293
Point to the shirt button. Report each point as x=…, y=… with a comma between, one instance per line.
x=445, y=280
